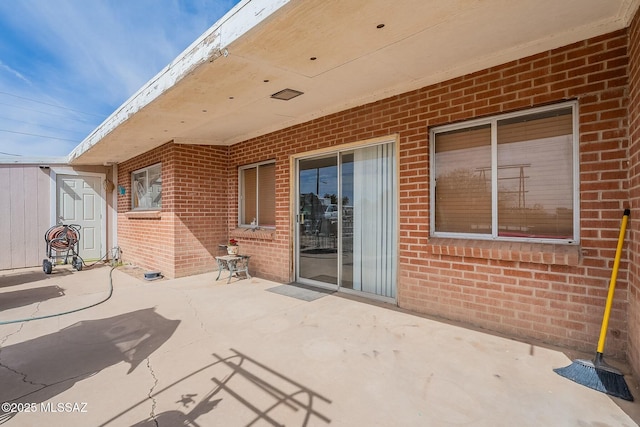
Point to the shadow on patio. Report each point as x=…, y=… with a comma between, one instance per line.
x=261, y=394
x=36, y=370
x=13, y=299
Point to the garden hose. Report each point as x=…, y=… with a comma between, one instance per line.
x=8, y=322
x=115, y=254
x=62, y=237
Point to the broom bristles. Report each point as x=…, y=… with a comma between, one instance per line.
x=584, y=372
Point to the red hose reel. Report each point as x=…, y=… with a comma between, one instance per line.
x=63, y=242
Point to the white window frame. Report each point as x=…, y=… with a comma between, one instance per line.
x=241, y=169
x=133, y=189
x=493, y=121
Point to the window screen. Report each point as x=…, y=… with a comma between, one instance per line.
x=507, y=177
x=257, y=195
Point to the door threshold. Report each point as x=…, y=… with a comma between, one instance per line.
x=365, y=296
x=348, y=293
x=313, y=288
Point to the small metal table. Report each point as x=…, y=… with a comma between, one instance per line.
x=234, y=264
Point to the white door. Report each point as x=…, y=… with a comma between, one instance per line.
x=79, y=202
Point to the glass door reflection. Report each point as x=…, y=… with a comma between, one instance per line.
x=318, y=220
x=347, y=221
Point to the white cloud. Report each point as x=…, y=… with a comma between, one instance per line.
x=14, y=72
x=86, y=57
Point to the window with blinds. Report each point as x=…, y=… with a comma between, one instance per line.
x=507, y=177
x=258, y=195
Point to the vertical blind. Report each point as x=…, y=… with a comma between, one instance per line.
x=374, y=220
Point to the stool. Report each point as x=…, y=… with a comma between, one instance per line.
x=234, y=264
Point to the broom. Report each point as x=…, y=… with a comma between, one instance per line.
x=597, y=374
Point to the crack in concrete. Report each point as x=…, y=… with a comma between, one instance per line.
x=44, y=386
x=154, y=403
x=6, y=337
x=196, y=312
x=19, y=373
x=24, y=376
x=37, y=309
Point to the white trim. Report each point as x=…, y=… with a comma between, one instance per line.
x=146, y=168
x=243, y=17
x=113, y=230
x=294, y=193
x=133, y=190
x=295, y=206
x=42, y=161
x=576, y=172
x=493, y=120
x=242, y=168
x=53, y=191
x=53, y=197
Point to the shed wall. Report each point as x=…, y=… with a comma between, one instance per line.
x=25, y=212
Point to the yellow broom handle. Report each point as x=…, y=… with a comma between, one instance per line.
x=612, y=283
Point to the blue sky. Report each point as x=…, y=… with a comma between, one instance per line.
x=66, y=65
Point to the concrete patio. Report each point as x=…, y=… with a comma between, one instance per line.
x=198, y=352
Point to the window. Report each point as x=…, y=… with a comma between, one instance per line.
x=507, y=177
x=146, y=188
x=257, y=205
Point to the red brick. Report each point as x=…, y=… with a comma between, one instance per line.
x=500, y=286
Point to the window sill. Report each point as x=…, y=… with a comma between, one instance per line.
x=143, y=214
x=537, y=253
x=250, y=234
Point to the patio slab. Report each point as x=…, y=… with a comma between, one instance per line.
x=193, y=351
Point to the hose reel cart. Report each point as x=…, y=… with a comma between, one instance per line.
x=63, y=242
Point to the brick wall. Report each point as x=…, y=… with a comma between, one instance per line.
x=552, y=293
x=270, y=251
x=184, y=238
x=633, y=243
x=200, y=206
x=541, y=292
x=147, y=242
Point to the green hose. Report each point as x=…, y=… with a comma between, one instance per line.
x=8, y=322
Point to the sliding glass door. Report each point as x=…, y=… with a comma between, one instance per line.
x=347, y=220
x=317, y=221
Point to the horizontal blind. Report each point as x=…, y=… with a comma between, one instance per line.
x=535, y=176
x=535, y=126
x=267, y=195
x=461, y=139
x=463, y=180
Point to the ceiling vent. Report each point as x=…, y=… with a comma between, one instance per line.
x=286, y=94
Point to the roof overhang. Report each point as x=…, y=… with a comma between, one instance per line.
x=339, y=54
x=41, y=161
